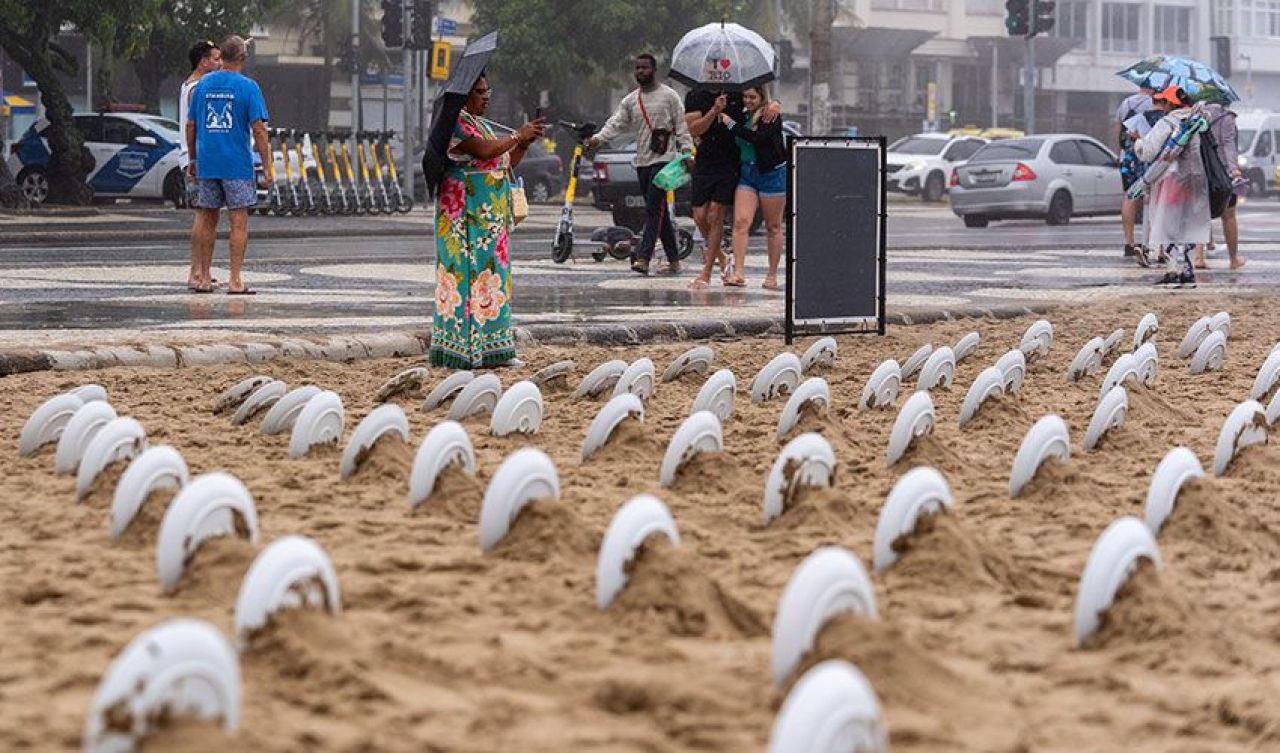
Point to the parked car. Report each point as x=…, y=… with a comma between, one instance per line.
x=1259, y=147
x=616, y=187
x=1053, y=177
x=922, y=165
x=131, y=154
x=542, y=172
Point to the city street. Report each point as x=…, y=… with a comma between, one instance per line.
x=120, y=272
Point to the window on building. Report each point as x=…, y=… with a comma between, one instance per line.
x=1121, y=24
x=909, y=4
x=1172, y=32
x=1224, y=16
x=985, y=7
x=1073, y=20
x=1260, y=18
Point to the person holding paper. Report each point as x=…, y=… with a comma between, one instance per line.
x=1129, y=115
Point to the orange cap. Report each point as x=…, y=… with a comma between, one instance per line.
x=1171, y=94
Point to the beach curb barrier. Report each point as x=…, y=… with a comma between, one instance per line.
x=812, y=391
x=80, y=429
x=1037, y=340
x=831, y=709
x=920, y=491
x=1087, y=361
x=638, y=379
x=90, y=393
x=386, y=419
x=320, y=421
x=46, y=423
x=1047, y=438
x=988, y=384
x=916, y=360
x=696, y=360
x=1146, y=331
x=292, y=572
x=1111, y=563
x=1109, y=414
x=478, y=397
x=159, y=467
x=938, y=370
x=1178, y=466
x=526, y=475
x=1210, y=354
x=1221, y=322
x=1265, y=381
x=261, y=399
x=1146, y=364
x=607, y=419
x=881, y=390
x=806, y=461
x=966, y=346
x=1124, y=369
x=699, y=433
x=820, y=355
x=915, y=419
x=1112, y=343
x=205, y=507
x=829, y=582
x=1196, y=334
x=601, y=378
x=1245, y=426
x=181, y=667
x=519, y=410
x=120, y=438
x=1014, y=367
x=778, y=377
x=717, y=395
x=409, y=379
x=639, y=518
x=1273, y=410
x=284, y=412
x=232, y=396
x=560, y=370
x=447, y=389
x=447, y=444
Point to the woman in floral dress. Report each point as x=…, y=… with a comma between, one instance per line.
x=471, y=328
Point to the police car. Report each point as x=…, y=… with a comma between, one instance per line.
x=131, y=155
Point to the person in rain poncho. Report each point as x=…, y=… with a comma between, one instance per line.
x=1178, y=199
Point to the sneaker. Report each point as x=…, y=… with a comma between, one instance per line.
x=1130, y=249
x=640, y=267
x=1140, y=256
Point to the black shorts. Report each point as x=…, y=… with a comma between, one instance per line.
x=717, y=186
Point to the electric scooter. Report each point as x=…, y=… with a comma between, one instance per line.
x=356, y=201
x=327, y=200
x=403, y=203
x=331, y=154
x=384, y=198
x=562, y=246
x=371, y=199
x=311, y=206
x=288, y=203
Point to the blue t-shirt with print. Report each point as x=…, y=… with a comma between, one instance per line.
x=224, y=106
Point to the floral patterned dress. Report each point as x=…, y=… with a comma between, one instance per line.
x=472, y=323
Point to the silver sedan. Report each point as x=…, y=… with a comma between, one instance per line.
x=1052, y=177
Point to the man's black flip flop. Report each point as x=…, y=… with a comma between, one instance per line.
x=201, y=290
x=246, y=291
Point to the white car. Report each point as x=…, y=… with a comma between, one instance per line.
x=921, y=165
x=133, y=155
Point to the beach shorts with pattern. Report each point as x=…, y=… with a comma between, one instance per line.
x=216, y=193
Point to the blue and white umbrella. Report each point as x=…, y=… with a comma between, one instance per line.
x=1199, y=81
x=722, y=56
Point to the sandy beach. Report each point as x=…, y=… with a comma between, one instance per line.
x=442, y=648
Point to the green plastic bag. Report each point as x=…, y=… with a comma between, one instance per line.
x=673, y=176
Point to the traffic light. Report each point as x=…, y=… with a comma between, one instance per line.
x=1017, y=17
x=420, y=25
x=392, y=24
x=1044, y=13
x=346, y=56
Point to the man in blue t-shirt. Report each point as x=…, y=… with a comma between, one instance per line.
x=226, y=109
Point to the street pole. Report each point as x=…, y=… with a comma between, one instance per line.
x=1029, y=86
x=356, y=115
x=995, y=79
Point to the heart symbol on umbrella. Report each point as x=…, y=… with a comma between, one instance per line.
x=724, y=63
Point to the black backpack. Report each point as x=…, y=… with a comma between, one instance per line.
x=1220, y=187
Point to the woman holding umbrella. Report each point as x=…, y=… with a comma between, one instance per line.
x=468, y=169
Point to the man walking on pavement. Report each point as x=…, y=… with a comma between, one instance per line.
x=205, y=58
x=1131, y=168
x=654, y=113
x=226, y=108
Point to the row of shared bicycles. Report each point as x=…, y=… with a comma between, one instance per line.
x=334, y=172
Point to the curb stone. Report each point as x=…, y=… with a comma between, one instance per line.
x=346, y=348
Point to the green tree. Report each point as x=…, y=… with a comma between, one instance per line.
x=177, y=25
x=27, y=31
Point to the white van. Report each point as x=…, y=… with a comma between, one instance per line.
x=1259, y=149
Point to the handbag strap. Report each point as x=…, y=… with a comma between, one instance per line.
x=643, y=112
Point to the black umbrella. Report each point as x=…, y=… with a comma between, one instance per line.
x=449, y=104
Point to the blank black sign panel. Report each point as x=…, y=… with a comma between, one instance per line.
x=836, y=238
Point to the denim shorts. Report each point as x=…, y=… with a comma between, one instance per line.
x=216, y=193
x=770, y=185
